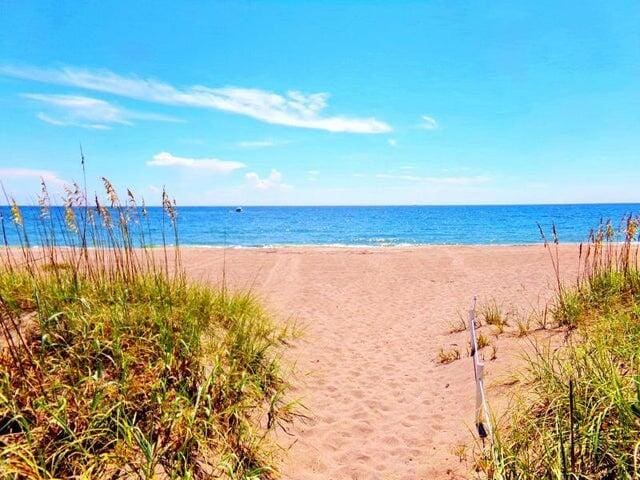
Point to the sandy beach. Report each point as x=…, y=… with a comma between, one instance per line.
x=242, y=239
x=380, y=406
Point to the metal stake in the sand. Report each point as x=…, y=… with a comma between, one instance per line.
x=482, y=412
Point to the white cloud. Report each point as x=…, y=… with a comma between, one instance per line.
x=66, y=123
x=461, y=181
x=313, y=175
x=53, y=121
x=214, y=165
x=15, y=177
x=428, y=123
x=294, y=109
x=88, y=112
x=47, y=175
x=392, y=142
x=272, y=182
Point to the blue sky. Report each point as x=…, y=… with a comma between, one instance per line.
x=242, y=103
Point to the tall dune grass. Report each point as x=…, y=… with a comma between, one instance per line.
x=113, y=365
x=578, y=416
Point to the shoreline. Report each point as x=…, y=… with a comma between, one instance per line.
x=346, y=246
x=331, y=246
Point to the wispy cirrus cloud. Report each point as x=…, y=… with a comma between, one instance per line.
x=60, y=123
x=428, y=123
x=294, y=109
x=272, y=182
x=460, y=181
x=212, y=165
x=89, y=112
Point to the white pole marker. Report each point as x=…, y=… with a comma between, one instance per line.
x=483, y=424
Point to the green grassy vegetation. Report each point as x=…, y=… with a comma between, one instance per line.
x=113, y=365
x=578, y=415
x=491, y=314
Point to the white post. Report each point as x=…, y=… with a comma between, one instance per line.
x=482, y=420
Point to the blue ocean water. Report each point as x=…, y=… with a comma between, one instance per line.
x=366, y=226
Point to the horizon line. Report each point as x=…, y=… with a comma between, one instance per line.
x=549, y=204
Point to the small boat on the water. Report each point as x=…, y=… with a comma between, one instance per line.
x=238, y=209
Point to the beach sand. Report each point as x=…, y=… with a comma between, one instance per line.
x=379, y=404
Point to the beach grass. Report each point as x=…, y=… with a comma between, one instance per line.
x=114, y=365
x=448, y=355
x=578, y=414
x=491, y=314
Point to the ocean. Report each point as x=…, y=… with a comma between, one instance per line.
x=376, y=226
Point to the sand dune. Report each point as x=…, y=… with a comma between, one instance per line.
x=380, y=406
